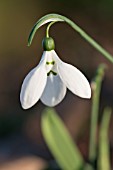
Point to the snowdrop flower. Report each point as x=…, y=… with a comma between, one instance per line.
x=49, y=80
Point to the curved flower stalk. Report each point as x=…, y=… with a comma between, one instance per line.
x=60, y=18
x=49, y=80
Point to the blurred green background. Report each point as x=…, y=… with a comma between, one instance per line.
x=20, y=133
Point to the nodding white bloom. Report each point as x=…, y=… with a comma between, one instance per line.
x=49, y=80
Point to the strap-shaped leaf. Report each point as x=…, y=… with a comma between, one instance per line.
x=60, y=142
x=96, y=88
x=104, y=150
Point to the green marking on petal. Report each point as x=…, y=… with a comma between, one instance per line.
x=54, y=73
x=51, y=62
x=51, y=71
x=47, y=63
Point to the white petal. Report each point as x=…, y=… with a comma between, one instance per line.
x=54, y=91
x=33, y=86
x=74, y=80
x=49, y=58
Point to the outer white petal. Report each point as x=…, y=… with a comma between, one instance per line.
x=33, y=86
x=74, y=80
x=54, y=91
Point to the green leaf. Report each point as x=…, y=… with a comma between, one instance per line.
x=104, y=150
x=88, y=167
x=60, y=142
x=96, y=89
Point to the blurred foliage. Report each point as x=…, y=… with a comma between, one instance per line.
x=59, y=141
x=104, y=162
x=61, y=144
x=96, y=85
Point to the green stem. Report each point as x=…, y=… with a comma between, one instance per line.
x=96, y=87
x=89, y=39
x=60, y=18
x=48, y=27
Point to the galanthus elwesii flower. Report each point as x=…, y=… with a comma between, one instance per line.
x=49, y=80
